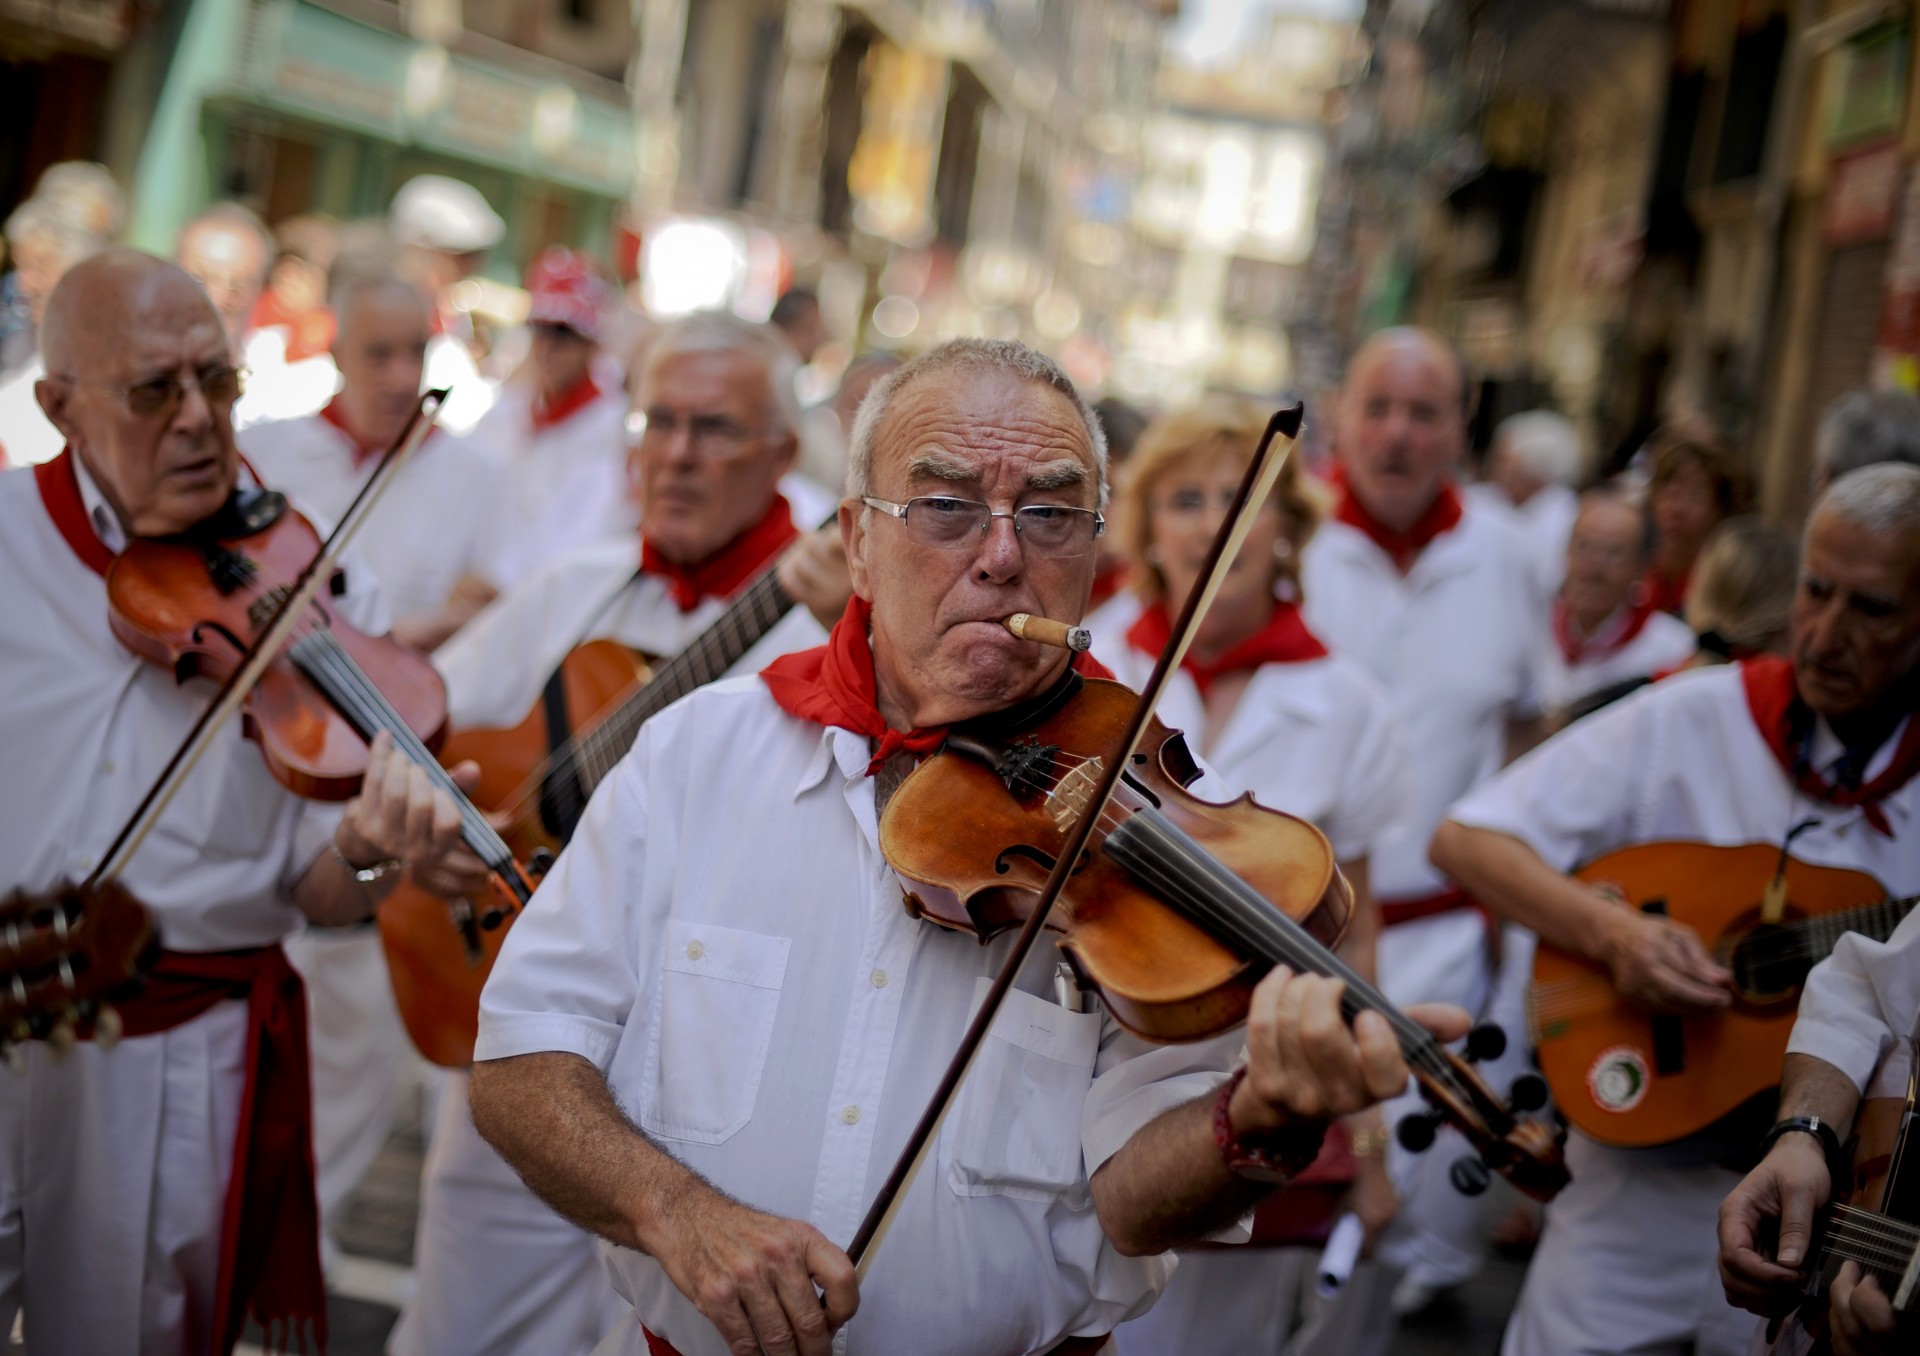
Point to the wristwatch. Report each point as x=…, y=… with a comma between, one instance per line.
x=366, y=875
x=1272, y=1156
x=1821, y=1130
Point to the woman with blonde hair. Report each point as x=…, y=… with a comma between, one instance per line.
x=1269, y=711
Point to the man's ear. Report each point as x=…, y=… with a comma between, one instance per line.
x=854, y=517
x=55, y=399
x=790, y=453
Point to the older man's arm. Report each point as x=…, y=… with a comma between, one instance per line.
x=1168, y=1187
x=553, y=1117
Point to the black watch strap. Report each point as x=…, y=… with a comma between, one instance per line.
x=1821, y=1130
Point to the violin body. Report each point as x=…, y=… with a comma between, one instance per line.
x=194, y=607
x=1162, y=975
x=437, y=977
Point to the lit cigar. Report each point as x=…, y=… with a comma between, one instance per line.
x=1046, y=631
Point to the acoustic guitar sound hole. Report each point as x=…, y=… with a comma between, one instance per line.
x=1769, y=961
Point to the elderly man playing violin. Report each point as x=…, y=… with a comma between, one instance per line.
x=125, y=1222
x=709, y=1036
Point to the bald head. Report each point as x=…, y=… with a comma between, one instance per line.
x=228, y=250
x=1400, y=422
x=132, y=345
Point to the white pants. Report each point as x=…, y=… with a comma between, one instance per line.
x=497, y=1273
x=1260, y=1302
x=359, y=1050
x=1628, y=1263
x=113, y=1179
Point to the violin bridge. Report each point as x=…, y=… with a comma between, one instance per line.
x=1069, y=799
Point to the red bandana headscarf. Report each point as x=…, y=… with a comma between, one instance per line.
x=1785, y=722
x=1614, y=635
x=833, y=684
x=721, y=573
x=1402, y=548
x=1285, y=639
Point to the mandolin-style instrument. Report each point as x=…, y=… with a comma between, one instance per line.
x=1632, y=1078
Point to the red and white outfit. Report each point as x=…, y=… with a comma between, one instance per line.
x=1628, y=1259
x=1637, y=640
x=1447, y=617
x=495, y=1269
x=1312, y=734
x=1546, y=520
x=566, y=477
x=116, y=1164
x=724, y=940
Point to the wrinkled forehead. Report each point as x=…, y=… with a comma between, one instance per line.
x=706, y=378
x=1884, y=562
x=982, y=420
x=158, y=324
x=1407, y=368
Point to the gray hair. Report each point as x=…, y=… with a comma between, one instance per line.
x=1863, y=428
x=1545, y=443
x=724, y=332
x=1884, y=499
x=966, y=355
x=355, y=283
x=39, y=220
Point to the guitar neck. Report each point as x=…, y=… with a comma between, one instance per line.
x=1883, y=1246
x=1876, y=921
x=748, y=618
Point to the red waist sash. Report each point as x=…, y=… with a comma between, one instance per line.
x=270, y=1230
x=1452, y=899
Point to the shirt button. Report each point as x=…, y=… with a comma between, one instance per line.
x=695, y=951
x=851, y=1115
x=106, y=768
x=879, y=978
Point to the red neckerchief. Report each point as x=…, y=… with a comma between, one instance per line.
x=59, y=487
x=1786, y=723
x=833, y=684
x=1402, y=548
x=1613, y=635
x=731, y=566
x=308, y=332
x=1665, y=592
x=546, y=414
x=270, y=1225
x=363, y=451
x=1285, y=639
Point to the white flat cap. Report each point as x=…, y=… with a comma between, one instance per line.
x=439, y=213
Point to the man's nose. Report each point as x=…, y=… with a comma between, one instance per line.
x=1002, y=554
x=194, y=413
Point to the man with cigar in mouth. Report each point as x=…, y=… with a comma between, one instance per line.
x=708, y=1038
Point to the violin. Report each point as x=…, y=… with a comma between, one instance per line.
x=1178, y=907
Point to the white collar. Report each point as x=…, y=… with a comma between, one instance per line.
x=1825, y=750
x=101, y=516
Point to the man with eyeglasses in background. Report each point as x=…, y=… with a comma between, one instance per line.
x=496, y=1269
x=562, y=424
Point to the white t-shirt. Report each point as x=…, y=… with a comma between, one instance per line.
x=1454, y=642
x=440, y=517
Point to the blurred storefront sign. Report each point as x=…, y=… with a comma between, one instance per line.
x=1897, y=349
x=104, y=25
x=1862, y=188
x=297, y=58
x=891, y=173
x=1869, y=84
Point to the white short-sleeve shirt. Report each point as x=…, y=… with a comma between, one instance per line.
x=723, y=939
x=1663, y=643
x=1454, y=642
x=567, y=481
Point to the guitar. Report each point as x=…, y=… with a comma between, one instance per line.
x=1878, y=1224
x=65, y=956
x=535, y=780
x=1631, y=1078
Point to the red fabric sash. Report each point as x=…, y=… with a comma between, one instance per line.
x=721, y=573
x=270, y=1235
x=833, y=684
x=1785, y=722
x=1402, y=548
x=1666, y=592
x=1614, y=635
x=1285, y=639
x=59, y=487
x=546, y=414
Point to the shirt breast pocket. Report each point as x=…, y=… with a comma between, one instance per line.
x=719, y=995
x=1015, y=1130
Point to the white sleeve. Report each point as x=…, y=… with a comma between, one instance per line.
x=1376, y=788
x=1859, y=1000
x=1572, y=798
x=567, y=977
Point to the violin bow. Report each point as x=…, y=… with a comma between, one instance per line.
x=1258, y=482
x=305, y=588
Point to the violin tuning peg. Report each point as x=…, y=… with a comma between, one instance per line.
x=1415, y=1132
x=60, y=1039
x=1485, y=1041
x=1528, y=1093
x=540, y=862
x=107, y=1028
x=1469, y=1175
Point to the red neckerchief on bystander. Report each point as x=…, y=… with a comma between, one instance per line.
x=1402, y=548
x=363, y=451
x=1786, y=723
x=1614, y=635
x=833, y=684
x=548, y=413
x=731, y=566
x=1285, y=639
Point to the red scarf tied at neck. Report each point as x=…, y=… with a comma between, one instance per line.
x=1402, y=548
x=721, y=573
x=547, y=413
x=1285, y=639
x=833, y=684
x=1786, y=722
x=1614, y=635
